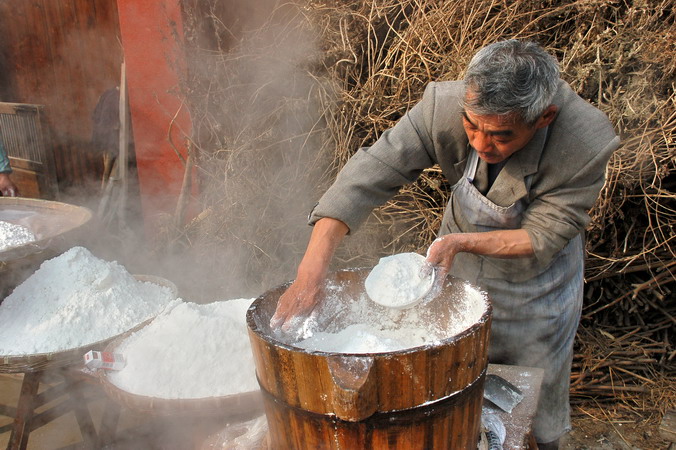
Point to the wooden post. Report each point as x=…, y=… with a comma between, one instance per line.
x=123, y=155
x=24, y=411
x=151, y=35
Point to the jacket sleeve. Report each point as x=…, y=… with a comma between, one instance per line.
x=561, y=212
x=375, y=174
x=4, y=160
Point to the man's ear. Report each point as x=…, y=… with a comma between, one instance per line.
x=547, y=117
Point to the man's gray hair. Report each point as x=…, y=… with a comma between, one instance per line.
x=511, y=76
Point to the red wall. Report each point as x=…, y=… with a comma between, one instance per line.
x=151, y=34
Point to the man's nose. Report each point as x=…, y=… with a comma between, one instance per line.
x=482, y=142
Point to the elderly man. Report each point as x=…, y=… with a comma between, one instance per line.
x=7, y=186
x=526, y=158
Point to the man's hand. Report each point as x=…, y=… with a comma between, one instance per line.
x=306, y=291
x=442, y=253
x=296, y=303
x=499, y=244
x=7, y=187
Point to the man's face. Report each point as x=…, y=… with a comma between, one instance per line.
x=497, y=137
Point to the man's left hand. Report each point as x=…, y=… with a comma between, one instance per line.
x=442, y=253
x=498, y=244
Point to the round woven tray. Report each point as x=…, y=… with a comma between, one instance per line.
x=51, y=222
x=246, y=404
x=41, y=361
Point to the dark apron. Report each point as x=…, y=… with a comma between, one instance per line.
x=534, y=321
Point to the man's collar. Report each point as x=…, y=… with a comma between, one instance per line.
x=510, y=185
x=528, y=158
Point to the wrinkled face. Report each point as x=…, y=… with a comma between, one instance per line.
x=496, y=137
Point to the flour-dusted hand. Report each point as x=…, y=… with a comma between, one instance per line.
x=442, y=253
x=7, y=186
x=498, y=244
x=297, y=303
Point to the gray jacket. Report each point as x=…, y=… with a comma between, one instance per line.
x=559, y=173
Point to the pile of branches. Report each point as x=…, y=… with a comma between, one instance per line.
x=375, y=58
x=617, y=55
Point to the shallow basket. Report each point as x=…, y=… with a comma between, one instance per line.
x=247, y=404
x=51, y=222
x=41, y=361
x=56, y=226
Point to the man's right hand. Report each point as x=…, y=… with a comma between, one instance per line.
x=296, y=303
x=306, y=291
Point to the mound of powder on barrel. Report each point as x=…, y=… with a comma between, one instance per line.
x=73, y=300
x=354, y=324
x=397, y=281
x=12, y=235
x=192, y=351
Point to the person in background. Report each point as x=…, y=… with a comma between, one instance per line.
x=525, y=157
x=7, y=186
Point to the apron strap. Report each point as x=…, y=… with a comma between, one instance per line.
x=472, y=164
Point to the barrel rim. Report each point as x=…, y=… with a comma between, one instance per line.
x=253, y=327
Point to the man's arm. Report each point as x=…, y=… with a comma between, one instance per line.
x=304, y=293
x=499, y=244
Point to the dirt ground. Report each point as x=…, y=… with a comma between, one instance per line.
x=593, y=429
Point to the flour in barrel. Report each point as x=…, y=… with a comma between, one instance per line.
x=191, y=351
x=73, y=300
x=12, y=235
x=353, y=324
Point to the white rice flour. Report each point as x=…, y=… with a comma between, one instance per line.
x=191, y=351
x=73, y=300
x=12, y=235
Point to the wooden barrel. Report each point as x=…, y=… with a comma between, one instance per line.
x=422, y=397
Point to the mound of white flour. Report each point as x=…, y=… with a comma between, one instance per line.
x=364, y=338
x=191, y=351
x=398, y=281
x=12, y=235
x=73, y=300
x=347, y=324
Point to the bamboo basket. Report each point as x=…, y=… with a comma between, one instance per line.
x=51, y=222
x=242, y=405
x=41, y=361
x=247, y=404
x=55, y=226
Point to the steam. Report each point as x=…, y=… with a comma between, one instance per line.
x=258, y=112
x=258, y=121
x=258, y=118
x=259, y=100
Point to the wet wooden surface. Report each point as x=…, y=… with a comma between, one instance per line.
x=518, y=422
x=254, y=434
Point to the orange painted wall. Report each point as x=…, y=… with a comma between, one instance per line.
x=150, y=33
